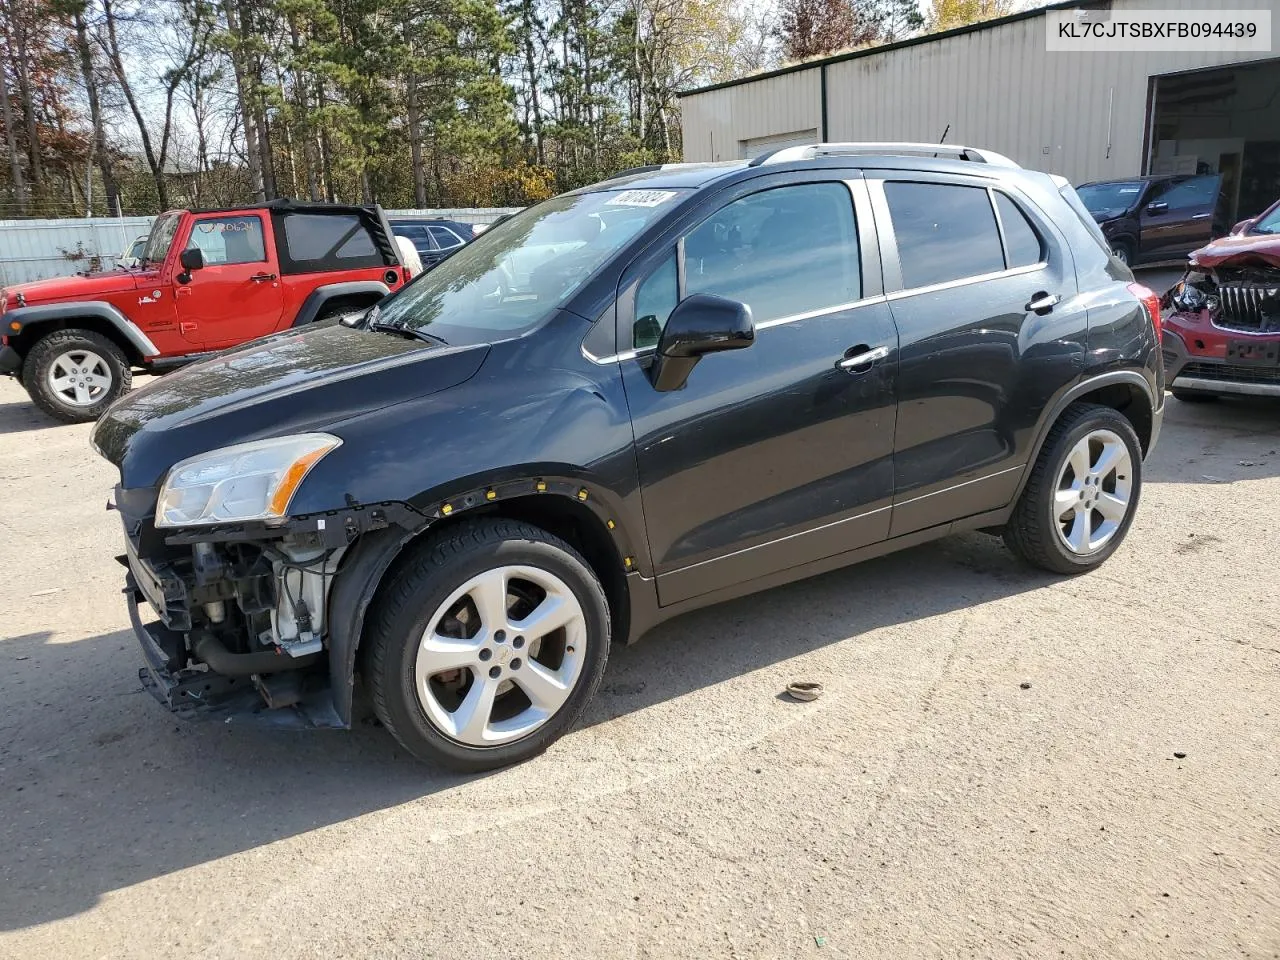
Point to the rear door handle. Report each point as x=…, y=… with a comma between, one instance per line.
x=865, y=358
x=262, y=277
x=1043, y=302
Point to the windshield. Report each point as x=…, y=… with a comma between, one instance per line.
x=162, y=232
x=1109, y=199
x=1269, y=223
x=514, y=275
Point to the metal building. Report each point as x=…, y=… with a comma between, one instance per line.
x=1087, y=116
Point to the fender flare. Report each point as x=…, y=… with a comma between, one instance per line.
x=41, y=313
x=320, y=296
x=1130, y=378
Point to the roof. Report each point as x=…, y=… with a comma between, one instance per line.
x=669, y=175
x=284, y=204
x=901, y=44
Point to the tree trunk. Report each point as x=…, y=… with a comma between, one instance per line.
x=532, y=68
x=99, y=145
x=252, y=156
x=309, y=142
x=117, y=65
x=415, y=144
x=28, y=107
x=11, y=143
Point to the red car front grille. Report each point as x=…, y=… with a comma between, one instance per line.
x=1249, y=307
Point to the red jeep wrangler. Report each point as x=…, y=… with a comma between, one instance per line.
x=207, y=280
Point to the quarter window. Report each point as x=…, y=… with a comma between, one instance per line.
x=328, y=241
x=445, y=237
x=656, y=297
x=944, y=231
x=1022, y=243
x=229, y=240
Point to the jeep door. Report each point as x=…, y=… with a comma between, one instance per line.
x=982, y=287
x=236, y=295
x=775, y=455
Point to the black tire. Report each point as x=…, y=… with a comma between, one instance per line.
x=1031, y=531
x=439, y=567
x=1124, y=251
x=49, y=349
x=1192, y=396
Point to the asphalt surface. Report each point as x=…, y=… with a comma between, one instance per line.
x=1005, y=763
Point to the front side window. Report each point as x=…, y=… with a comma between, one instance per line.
x=516, y=274
x=1194, y=192
x=228, y=240
x=945, y=232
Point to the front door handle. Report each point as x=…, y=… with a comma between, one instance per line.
x=865, y=357
x=1202, y=216
x=262, y=277
x=1043, y=303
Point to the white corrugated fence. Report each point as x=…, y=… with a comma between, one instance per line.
x=36, y=249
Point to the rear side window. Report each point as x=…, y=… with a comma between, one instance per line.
x=945, y=232
x=1022, y=243
x=328, y=241
x=445, y=237
x=228, y=240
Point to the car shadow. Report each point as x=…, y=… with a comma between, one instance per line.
x=101, y=790
x=21, y=416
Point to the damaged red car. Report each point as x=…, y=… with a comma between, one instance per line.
x=1222, y=319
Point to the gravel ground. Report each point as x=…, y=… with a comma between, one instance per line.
x=1005, y=763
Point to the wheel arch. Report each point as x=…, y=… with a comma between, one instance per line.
x=355, y=291
x=1125, y=391
x=98, y=317
x=375, y=558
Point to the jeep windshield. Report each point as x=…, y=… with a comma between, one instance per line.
x=514, y=275
x=161, y=237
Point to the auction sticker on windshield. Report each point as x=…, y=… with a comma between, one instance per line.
x=640, y=198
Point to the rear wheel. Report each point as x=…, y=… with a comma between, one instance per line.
x=74, y=375
x=1082, y=494
x=487, y=645
x=1122, y=250
x=1193, y=396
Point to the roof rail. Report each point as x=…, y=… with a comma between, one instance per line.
x=951, y=150
x=652, y=167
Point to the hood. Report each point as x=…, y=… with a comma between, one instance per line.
x=1240, y=251
x=289, y=383
x=78, y=287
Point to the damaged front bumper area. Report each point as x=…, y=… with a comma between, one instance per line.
x=234, y=619
x=1224, y=323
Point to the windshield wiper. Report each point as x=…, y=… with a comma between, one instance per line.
x=406, y=331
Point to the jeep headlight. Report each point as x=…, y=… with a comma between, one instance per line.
x=247, y=481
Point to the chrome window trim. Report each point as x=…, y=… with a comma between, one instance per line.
x=792, y=318
x=965, y=281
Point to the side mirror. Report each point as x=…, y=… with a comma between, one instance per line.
x=1241, y=228
x=1157, y=206
x=699, y=325
x=190, y=260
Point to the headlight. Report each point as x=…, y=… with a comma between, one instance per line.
x=248, y=481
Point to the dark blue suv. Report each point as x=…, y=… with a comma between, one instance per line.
x=672, y=388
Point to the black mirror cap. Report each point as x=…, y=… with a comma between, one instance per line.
x=192, y=259
x=700, y=324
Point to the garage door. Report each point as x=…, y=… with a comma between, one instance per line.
x=749, y=149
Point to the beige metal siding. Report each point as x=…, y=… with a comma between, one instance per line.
x=996, y=88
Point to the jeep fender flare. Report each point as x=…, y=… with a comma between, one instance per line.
x=1129, y=378
x=43, y=313
x=320, y=296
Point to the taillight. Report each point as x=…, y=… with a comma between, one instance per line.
x=1152, y=302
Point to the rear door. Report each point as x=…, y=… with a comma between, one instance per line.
x=236, y=296
x=964, y=262
x=775, y=455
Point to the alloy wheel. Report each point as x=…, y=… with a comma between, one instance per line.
x=1093, y=493
x=500, y=656
x=79, y=378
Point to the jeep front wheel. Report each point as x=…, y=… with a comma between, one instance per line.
x=74, y=375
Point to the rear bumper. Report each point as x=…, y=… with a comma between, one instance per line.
x=10, y=360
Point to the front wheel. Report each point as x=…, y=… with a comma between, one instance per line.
x=1123, y=251
x=1082, y=494
x=487, y=645
x=74, y=375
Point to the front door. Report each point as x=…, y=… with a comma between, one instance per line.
x=775, y=455
x=983, y=293
x=236, y=296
